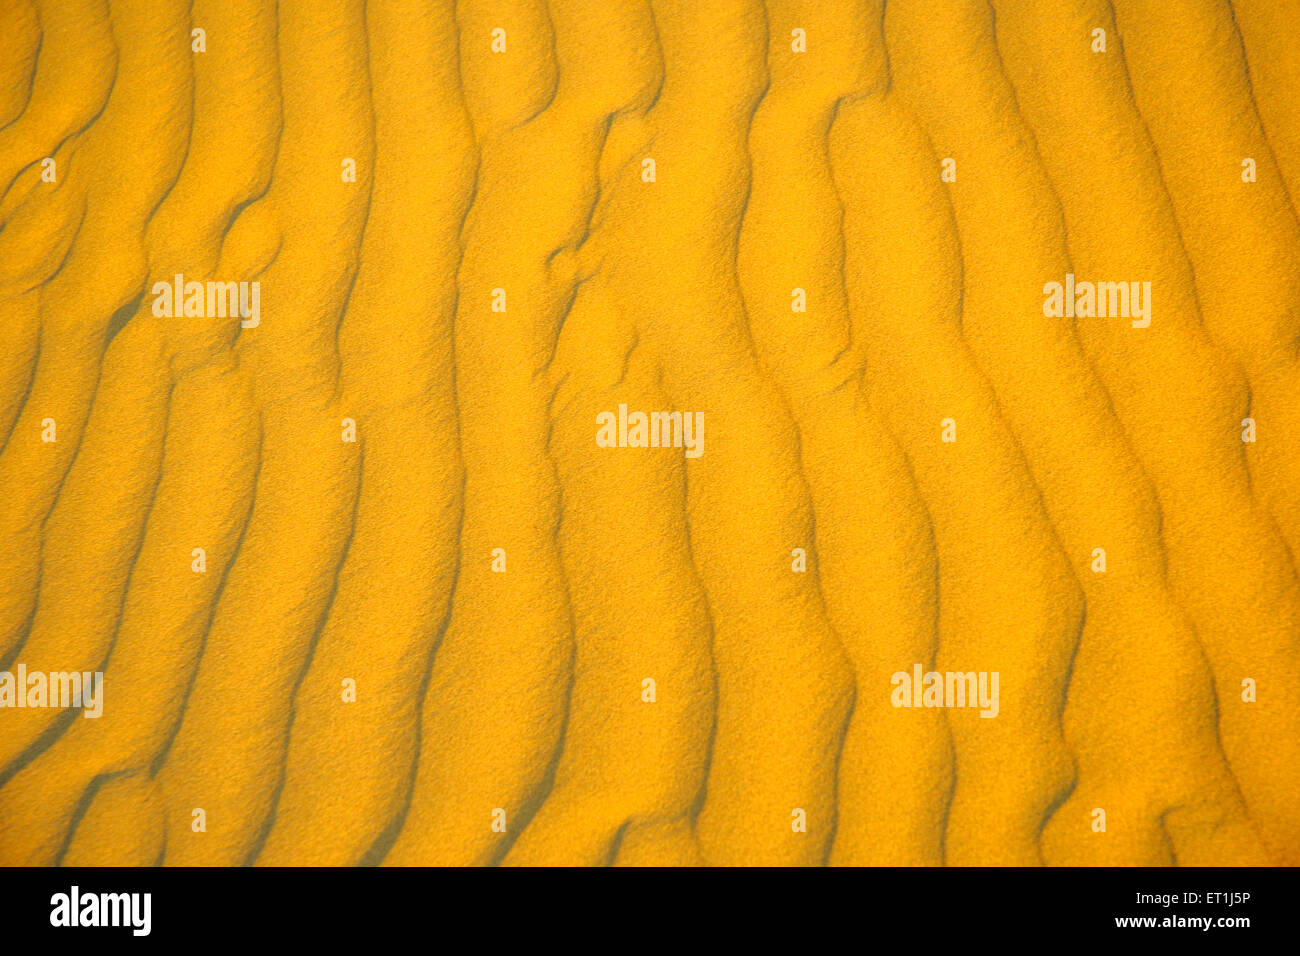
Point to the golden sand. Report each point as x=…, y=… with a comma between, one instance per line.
x=474, y=634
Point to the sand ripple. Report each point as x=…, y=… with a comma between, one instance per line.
x=501, y=269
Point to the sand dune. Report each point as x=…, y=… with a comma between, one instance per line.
x=315, y=315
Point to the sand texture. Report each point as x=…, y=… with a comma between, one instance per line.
x=366, y=586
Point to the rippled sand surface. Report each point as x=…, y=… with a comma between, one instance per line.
x=473, y=635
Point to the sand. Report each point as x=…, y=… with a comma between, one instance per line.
x=362, y=583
